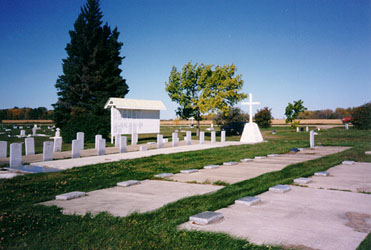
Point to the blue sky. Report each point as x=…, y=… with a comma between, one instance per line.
x=317, y=51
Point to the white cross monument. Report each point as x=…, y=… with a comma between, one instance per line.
x=251, y=132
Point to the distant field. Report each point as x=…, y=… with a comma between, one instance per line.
x=310, y=122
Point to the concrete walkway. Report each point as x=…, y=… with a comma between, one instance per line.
x=306, y=218
x=248, y=170
x=122, y=201
x=79, y=162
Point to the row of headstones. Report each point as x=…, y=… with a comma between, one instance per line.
x=175, y=139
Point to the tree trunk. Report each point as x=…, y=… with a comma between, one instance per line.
x=198, y=128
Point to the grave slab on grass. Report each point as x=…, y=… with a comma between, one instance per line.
x=280, y=188
x=355, y=178
x=205, y=218
x=211, y=166
x=302, y=180
x=249, y=201
x=188, y=171
x=273, y=155
x=246, y=160
x=348, y=162
x=118, y=201
x=164, y=175
x=230, y=163
x=70, y=196
x=128, y=183
x=260, y=157
x=322, y=173
x=296, y=219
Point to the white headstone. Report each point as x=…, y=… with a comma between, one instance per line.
x=297, y=129
x=346, y=126
x=213, y=137
x=101, y=147
x=15, y=155
x=311, y=138
x=57, y=133
x=48, y=151
x=134, y=139
x=34, y=130
x=57, y=144
x=29, y=144
x=174, y=142
x=222, y=139
x=251, y=132
x=75, y=149
x=80, y=138
x=97, y=138
x=3, y=149
x=202, y=137
x=23, y=133
x=306, y=129
x=117, y=140
x=123, y=144
x=160, y=141
x=189, y=137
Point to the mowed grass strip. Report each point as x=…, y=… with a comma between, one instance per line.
x=26, y=226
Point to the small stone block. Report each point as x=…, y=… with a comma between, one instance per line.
x=272, y=155
x=348, y=162
x=230, y=163
x=211, y=166
x=249, y=201
x=143, y=148
x=205, y=218
x=322, y=173
x=246, y=160
x=70, y=196
x=302, y=180
x=164, y=175
x=260, y=157
x=280, y=188
x=128, y=183
x=188, y=171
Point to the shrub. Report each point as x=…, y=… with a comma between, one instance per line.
x=264, y=117
x=88, y=123
x=234, y=115
x=361, y=116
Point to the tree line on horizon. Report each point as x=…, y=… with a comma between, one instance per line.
x=40, y=113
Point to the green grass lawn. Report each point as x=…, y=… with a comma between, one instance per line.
x=25, y=225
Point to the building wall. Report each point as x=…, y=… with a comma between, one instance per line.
x=124, y=121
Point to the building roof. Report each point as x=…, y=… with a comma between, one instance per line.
x=125, y=103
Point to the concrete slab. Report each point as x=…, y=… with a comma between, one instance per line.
x=248, y=201
x=128, y=183
x=305, y=217
x=70, y=195
x=322, y=173
x=280, y=189
x=164, y=175
x=112, y=155
x=355, y=178
x=118, y=201
x=188, y=171
x=247, y=170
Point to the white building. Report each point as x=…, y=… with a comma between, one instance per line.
x=130, y=116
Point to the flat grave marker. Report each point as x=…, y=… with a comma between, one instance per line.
x=164, y=175
x=188, y=171
x=302, y=180
x=205, y=218
x=348, y=162
x=230, y=163
x=249, y=201
x=246, y=160
x=322, y=173
x=211, y=166
x=280, y=188
x=70, y=196
x=128, y=183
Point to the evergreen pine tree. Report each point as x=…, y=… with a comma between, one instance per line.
x=91, y=72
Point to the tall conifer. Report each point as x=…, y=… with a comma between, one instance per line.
x=91, y=72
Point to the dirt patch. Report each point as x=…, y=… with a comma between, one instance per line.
x=359, y=222
x=364, y=189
